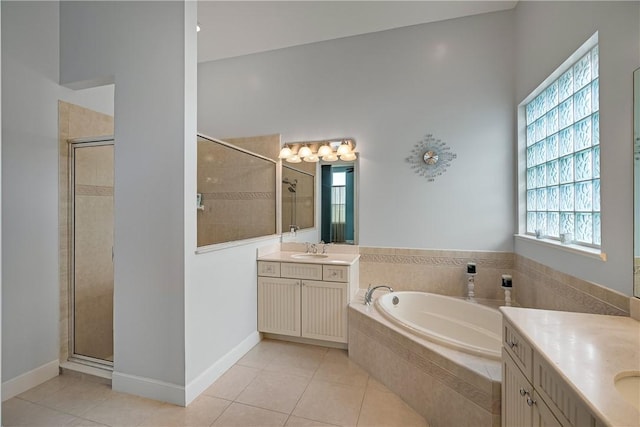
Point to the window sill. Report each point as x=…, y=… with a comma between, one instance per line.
x=594, y=253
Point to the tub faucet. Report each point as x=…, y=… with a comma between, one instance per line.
x=369, y=293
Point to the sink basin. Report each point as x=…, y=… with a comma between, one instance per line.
x=628, y=385
x=309, y=256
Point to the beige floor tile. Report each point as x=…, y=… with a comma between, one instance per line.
x=18, y=412
x=387, y=410
x=331, y=403
x=377, y=385
x=336, y=367
x=241, y=415
x=261, y=354
x=46, y=389
x=297, y=359
x=294, y=421
x=122, y=410
x=77, y=397
x=81, y=422
x=201, y=412
x=274, y=391
x=232, y=382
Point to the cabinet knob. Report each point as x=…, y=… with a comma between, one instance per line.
x=523, y=392
x=512, y=344
x=530, y=401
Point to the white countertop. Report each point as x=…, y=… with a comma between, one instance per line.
x=331, y=259
x=588, y=351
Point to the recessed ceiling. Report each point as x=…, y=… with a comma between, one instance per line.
x=235, y=28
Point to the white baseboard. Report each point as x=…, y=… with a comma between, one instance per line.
x=215, y=371
x=148, y=387
x=24, y=382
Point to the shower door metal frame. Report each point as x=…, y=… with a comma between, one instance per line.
x=73, y=144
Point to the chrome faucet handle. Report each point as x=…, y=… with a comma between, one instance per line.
x=307, y=245
x=314, y=248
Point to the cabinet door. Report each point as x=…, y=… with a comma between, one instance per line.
x=324, y=310
x=515, y=410
x=279, y=306
x=542, y=416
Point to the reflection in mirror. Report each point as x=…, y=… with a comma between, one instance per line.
x=298, y=199
x=636, y=186
x=338, y=207
x=236, y=190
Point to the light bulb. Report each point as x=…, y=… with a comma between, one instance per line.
x=294, y=159
x=285, y=153
x=324, y=150
x=311, y=159
x=330, y=158
x=348, y=157
x=304, y=151
x=343, y=149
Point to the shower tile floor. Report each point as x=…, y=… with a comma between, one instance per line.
x=275, y=384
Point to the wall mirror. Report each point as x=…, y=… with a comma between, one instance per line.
x=236, y=188
x=335, y=164
x=636, y=183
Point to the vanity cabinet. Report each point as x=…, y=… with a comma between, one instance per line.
x=304, y=300
x=533, y=394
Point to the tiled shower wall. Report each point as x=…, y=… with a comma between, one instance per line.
x=444, y=272
x=73, y=122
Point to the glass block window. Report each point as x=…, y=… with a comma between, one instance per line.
x=563, y=155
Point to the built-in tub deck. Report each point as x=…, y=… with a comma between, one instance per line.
x=446, y=386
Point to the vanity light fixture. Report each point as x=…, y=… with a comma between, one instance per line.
x=348, y=157
x=343, y=149
x=324, y=150
x=294, y=159
x=330, y=157
x=285, y=153
x=329, y=151
x=304, y=151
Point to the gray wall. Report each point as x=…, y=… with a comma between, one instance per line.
x=30, y=93
x=387, y=90
x=148, y=49
x=547, y=33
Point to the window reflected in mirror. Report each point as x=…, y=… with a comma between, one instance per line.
x=338, y=204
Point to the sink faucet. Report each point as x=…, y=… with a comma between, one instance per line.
x=369, y=293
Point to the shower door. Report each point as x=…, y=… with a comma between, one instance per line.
x=92, y=252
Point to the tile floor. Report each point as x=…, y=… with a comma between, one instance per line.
x=275, y=384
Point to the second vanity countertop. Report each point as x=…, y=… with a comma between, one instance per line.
x=332, y=258
x=587, y=351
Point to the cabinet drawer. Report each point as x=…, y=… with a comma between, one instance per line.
x=561, y=399
x=518, y=348
x=268, y=269
x=301, y=271
x=335, y=273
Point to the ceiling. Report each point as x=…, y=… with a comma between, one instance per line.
x=235, y=28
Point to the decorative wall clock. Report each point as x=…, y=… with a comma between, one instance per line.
x=430, y=157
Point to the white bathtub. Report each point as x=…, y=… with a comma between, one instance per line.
x=448, y=321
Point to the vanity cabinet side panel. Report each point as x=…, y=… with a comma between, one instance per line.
x=279, y=306
x=562, y=401
x=324, y=310
x=515, y=411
